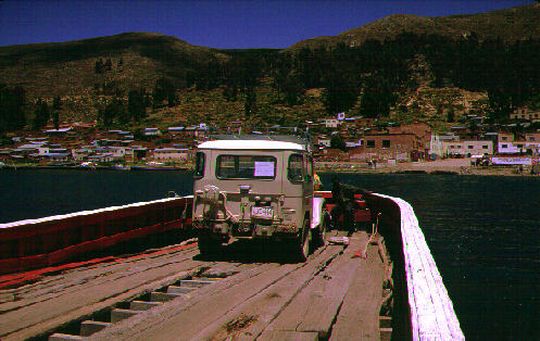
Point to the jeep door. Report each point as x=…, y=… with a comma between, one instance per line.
x=298, y=186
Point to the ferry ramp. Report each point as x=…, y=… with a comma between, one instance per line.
x=249, y=292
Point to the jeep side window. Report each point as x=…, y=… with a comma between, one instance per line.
x=295, y=169
x=199, y=165
x=309, y=172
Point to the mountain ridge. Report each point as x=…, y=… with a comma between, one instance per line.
x=508, y=24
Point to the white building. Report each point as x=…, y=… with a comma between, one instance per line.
x=80, y=154
x=467, y=148
x=43, y=150
x=171, y=154
x=436, y=143
x=519, y=147
x=151, y=132
x=119, y=152
x=330, y=122
x=105, y=157
x=323, y=140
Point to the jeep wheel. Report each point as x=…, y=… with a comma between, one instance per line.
x=208, y=245
x=301, y=245
x=320, y=237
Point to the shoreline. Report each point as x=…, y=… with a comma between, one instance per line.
x=439, y=167
x=96, y=168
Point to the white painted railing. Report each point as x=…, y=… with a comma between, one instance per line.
x=432, y=311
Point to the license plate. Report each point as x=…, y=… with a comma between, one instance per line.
x=262, y=212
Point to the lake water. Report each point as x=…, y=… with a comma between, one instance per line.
x=483, y=231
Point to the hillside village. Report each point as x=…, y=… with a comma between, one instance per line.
x=403, y=89
x=338, y=141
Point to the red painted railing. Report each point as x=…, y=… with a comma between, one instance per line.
x=36, y=243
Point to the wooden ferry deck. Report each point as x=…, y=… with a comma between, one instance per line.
x=332, y=295
x=246, y=292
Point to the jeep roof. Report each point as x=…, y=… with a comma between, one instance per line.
x=251, y=145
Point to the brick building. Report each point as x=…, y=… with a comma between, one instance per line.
x=385, y=146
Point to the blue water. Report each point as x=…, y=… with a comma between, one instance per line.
x=483, y=231
x=37, y=193
x=484, y=235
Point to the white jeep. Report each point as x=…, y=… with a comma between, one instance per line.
x=256, y=188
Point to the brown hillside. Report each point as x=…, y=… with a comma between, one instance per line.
x=68, y=68
x=509, y=25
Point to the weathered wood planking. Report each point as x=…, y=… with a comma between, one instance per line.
x=183, y=320
x=79, y=293
x=315, y=308
x=256, y=313
x=358, y=317
x=432, y=311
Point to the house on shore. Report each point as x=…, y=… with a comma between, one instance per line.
x=436, y=143
x=467, y=148
x=151, y=132
x=386, y=146
x=525, y=114
x=171, y=154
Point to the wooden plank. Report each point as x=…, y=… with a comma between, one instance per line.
x=53, y=287
x=316, y=306
x=250, y=318
x=182, y=319
x=280, y=335
x=358, y=318
x=85, y=295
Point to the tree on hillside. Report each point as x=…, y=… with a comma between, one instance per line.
x=57, y=103
x=500, y=105
x=293, y=88
x=12, y=103
x=311, y=66
x=232, y=79
x=450, y=116
x=136, y=105
x=147, y=99
x=337, y=142
x=56, y=106
x=108, y=64
x=56, y=119
x=163, y=90
x=212, y=77
x=376, y=98
x=172, y=98
x=99, y=66
x=341, y=90
x=120, y=111
x=250, y=104
x=113, y=111
x=41, y=114
x=230, y=92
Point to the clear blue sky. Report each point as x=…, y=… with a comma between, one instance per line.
x=212, y=23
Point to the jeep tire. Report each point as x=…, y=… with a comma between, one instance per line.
x=208, y=245
x=300, y=245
